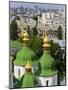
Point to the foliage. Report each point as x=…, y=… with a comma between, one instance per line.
x=59, y=33
x=36, y=45
x=16, y=82
x=15, y=44
x=60, y=64
x=34, y=31
x=54, y=48
x=35, y=18
x=36, y=42
x=13, y=30
x=17, y=18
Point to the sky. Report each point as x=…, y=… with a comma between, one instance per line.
x=40, y=5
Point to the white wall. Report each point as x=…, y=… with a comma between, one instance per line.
x=22, y=71
x=43, y=18
x=51, y=80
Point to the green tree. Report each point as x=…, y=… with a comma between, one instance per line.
x=34, y=31
x=17, y=18
x=13, y=30
x=36, y=19
x=60, y=64
x=36, y=41
x=59, y=33
x=54, y=48
x=36, y=45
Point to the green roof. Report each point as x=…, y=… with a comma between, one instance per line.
x=15, y=44
x=48, y=72
x=23, y=55
x=28, y=80
x=46, y=60
x=47, y=65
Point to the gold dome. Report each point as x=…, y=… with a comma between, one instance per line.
x=46, y=44
x=46, y=39
x=25, y=37
x=28, y=65
x=25, y=34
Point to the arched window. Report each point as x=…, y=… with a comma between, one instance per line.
x=28, y=70
x=47, y=83
x=18, y=72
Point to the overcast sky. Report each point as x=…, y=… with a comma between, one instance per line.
x=31, y=5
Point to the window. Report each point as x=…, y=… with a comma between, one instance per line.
x=28, y=70
x=47, y=83
x=18, y=72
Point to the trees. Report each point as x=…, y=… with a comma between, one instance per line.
x=34, y=31
x=59, y=33
x=36, y=42
x=57, y=53
x=36, y=45
x=36, y=19
x=13, y=30
x=54, y=48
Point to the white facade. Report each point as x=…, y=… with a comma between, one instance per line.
x=22, y=24
x=53, y=21
x=45, y=17
x=19, y=71
x=31, y=22
x=51, y=80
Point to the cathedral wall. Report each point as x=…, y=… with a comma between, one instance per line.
x=19, y=71
x=48, y=81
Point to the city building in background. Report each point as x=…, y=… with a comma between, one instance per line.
x=37, y=44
